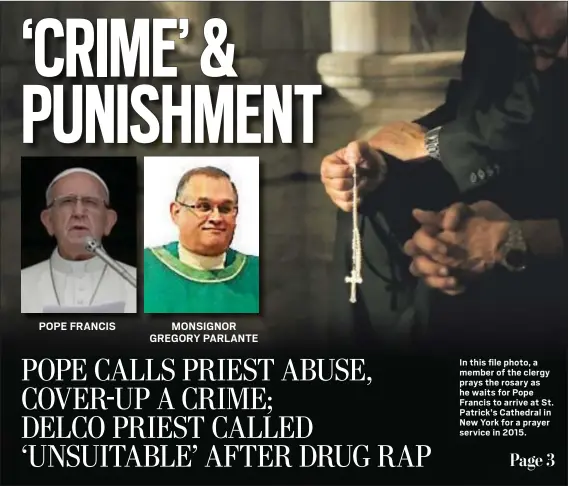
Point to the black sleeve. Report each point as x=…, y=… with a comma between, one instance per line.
x=448, y=111
x=409, y=186
x=499, y=95
x=488, y=142
x=490, y=111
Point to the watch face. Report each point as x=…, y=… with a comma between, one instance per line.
x=516, y=259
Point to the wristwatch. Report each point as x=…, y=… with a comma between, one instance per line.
x=432, y=143
x=514, y=251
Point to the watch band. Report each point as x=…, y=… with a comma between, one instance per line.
x=514, y=250
x=432, y=143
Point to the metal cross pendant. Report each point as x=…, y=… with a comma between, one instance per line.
x=353, y=279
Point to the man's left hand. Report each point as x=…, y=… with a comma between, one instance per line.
x=403, y=140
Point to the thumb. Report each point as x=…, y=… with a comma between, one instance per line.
x=353, y=154
x=428, y=218
x=360, y=154
x=455, y=215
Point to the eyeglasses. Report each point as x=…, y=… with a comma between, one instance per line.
x=90, y=203
x=205, y=208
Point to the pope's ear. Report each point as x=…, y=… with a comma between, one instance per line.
x=111, y=221
x=45, y=217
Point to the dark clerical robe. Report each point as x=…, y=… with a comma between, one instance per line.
x=172, y=287
x=504, y=139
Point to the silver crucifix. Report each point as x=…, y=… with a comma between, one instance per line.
x=353, y=279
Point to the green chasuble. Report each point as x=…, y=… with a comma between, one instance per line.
x=173, y=287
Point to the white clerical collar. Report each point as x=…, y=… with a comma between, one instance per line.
x=200, y=262
x=60, y=264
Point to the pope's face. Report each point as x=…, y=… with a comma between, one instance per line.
x=206, y=215
x=77, y=209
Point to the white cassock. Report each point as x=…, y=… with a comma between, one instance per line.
x=85, y=286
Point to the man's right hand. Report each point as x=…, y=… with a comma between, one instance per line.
x=336, y=173
x=403, y=140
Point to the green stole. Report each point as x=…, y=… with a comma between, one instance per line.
x=172, y=287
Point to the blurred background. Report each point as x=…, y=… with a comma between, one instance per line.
x=378, y=62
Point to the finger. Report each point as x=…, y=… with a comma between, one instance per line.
x=410, y=249
x=447, y=284
x=360, y=154
x=457, y=291
x=455, y=215
x=340, y=196
x=428, y=244
x=347, y=206
x=430, y=218
x=423, y=266
x=352, y=154
x=344, y=206
x=346, y=184
x=490, y=210
x=333, y=167
x=338, y=184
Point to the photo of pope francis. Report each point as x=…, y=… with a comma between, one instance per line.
x=74, y=279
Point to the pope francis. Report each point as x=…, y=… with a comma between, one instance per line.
x=74, y=280
x=200, y=273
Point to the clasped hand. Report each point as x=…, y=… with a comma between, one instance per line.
x=456, y=245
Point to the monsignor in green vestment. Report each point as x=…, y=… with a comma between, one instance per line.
x=173, y=287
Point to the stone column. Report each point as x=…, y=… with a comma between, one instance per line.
x=370, y=27
x=372, y=66
x=198, y=14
